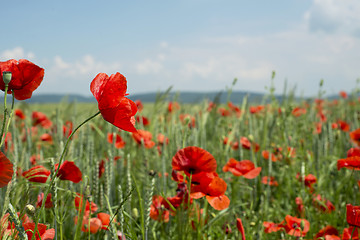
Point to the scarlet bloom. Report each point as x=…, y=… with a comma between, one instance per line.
x=115, y=108
x=355, y=137
x=269, y=181
x=20, y=114
x=162, y=139
x=6, y=170
x=92, y=225
x=209, y=184
x=296, y=227
x=143, y=136
x=46, y=138
x=350, y=233
x=349, y=163
x=39, y=118
x=158, y=211
x=143, y=120
x=78, y=204
x=298, y=111
x=270, y=227
x=193, y=160
x=353, y=215
x=69, y=171
x=353, y=152
x=323, y=204
x=329, y=231
x=119, y=142
x=343, y=94
x=309, y=180
x=256, y=109
x=45, y=234
x=48, y=202
x=26, y=77
x=244, y=168
x=37, y=174
x=344, y=126
x=172, y=106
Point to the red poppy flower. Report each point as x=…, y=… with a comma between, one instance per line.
x=143, y=120
x=323, y=204
x=162, y=139
x=350, y=233
x=349, y=163
x=269, y=181
x=308, y=181
x=78, y=204
x=270, y=227
x=115, y=108
x=158, y=211
x=172, y=106
x=352, y=152
x=37, y=174
x=355, y=137
x=224, y=112
x=298, y=111
x=344, y=126
x=67, y=129
x=45, y=234
x=187, y=119
x=209, y=184
x=327, y=231
x=343, y=94
x=193, y=160
x=48, y=202
x=69, y=171
x=244, y=168
x=143, y=136
x=296, y=227
x=39, y=118
x=26, y=77
x=353, y=215
x=92, y=225
x=19, y=114
x=105, y=220
x=119, y=142
x=240, y=227
x=46, y=138
x=6, y=170
x=139, y=105
x=256, y=109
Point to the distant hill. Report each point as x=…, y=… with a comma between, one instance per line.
x=182, y=97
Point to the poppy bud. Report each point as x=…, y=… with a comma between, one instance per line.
x=135, y=213
x=6, y=77
x=30, y=209
x=302, y=224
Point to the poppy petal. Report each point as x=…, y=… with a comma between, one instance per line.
x=240, y=227
x=69, y=171
x=350, y=163
x=6, y=170
x=253, y=173
x=219, y=203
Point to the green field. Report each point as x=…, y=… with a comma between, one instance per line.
x=302, y=142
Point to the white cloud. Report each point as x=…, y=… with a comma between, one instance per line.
x=334, y=16
x=16, y=53
x=149, y=67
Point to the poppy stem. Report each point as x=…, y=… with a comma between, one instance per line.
x=5, y=113
x=57, y=170
x=9, y=120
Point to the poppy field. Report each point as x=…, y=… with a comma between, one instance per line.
x=123, y=169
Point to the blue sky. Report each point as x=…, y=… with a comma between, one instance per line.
x=192, y=45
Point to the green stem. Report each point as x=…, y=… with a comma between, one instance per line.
x=5, y=113
x=9, y=120
x=57, y=170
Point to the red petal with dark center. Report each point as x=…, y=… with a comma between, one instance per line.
x=193, y=160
